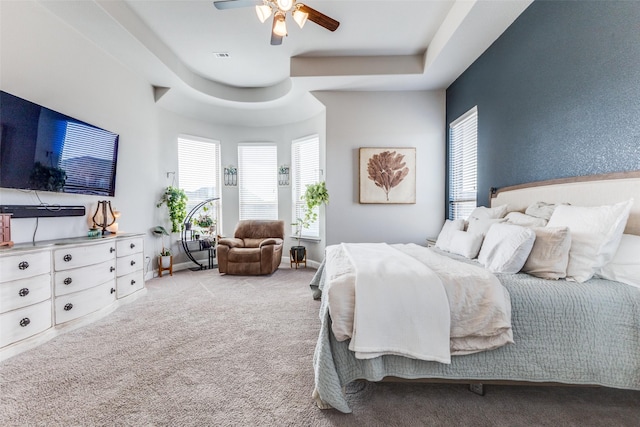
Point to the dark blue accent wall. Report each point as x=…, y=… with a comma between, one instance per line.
x=558, y=94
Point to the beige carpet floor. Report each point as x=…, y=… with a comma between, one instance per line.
x=201, y=349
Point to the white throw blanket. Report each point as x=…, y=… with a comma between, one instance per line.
x=480, y=307
x=401, y=307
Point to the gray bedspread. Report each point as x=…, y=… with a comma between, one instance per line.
x=564, y=332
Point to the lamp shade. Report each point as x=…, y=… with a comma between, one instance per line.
x=263, y=12
x=280, y=27
x=285, y=5
x=300, y=17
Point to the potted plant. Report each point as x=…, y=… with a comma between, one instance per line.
x=176, y=200
x=314, y=196
x=165, y=258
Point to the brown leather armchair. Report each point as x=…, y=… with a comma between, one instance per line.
x=255, y=249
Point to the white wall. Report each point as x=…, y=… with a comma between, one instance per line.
x=384, y=119
x=47, y=62
x=44, y=61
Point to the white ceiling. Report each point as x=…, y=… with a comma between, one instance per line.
x=380, y=45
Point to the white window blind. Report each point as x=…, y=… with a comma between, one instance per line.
x=305, y=159
x=199, y=170
x=463, y=176
x=258, y=181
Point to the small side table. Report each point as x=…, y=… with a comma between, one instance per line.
x=431, y=242
x=162, y=268
x=298, y=262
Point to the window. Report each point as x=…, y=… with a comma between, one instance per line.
x=199, y=171
x=463, y=176
x=305, y=159
x=258, y=181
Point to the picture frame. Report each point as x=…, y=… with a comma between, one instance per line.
x=387, y=175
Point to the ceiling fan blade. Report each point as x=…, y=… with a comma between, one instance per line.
x=319, y=18
x=234, y=4
x=276, y=40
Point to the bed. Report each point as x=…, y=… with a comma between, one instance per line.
x=564, y=332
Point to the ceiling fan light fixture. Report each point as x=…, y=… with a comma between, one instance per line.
x=263, y=12
x=300, y=17
x=280, y=27
x=285, y=5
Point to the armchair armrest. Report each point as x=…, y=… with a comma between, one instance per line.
x=232, y=242
x=271, y=241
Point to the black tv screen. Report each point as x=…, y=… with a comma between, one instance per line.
x=41, y=149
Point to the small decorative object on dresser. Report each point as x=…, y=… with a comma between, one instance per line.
x=5, y=230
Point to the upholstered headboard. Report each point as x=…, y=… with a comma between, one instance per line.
x=593, y=190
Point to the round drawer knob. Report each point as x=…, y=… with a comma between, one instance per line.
x=23, y=292
x=112, y=290
x=67, y=281
x=68, y=306
x=132, y=245
x=111, y=269
x=133, y=262
x=23, y=265
x=133, y=282
x=24, y=322
x=111, y=250
x=67, y=257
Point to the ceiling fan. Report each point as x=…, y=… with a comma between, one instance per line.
x=279, y=8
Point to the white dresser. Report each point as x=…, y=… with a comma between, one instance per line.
x=57, y=284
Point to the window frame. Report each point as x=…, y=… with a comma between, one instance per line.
x=298, y=188
x=271, y=174
x=462, y=174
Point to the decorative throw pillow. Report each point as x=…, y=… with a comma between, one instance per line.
x=518, y=218
x=466, y=244
x=481, y=226
x=541, y=210
x=482, y=212
x=506, y=247
x=550, y=253
x=625, y=265
x=595, y=235
x=446, y=234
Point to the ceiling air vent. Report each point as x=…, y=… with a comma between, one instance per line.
x=221, y=54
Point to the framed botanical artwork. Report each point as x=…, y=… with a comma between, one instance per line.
x=387, y=175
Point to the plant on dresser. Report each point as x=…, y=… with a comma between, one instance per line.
x=61, y=283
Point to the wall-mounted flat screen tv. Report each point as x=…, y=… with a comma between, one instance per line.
x=41, y=149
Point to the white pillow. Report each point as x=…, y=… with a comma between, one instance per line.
x=541, y=210
x=446, y=234
x=482, y=212
x=595, y=235
x=525, y=220
x=466, y=244
x=625, y=265
x=550, y=254
x=506, y=247
x=481, y=226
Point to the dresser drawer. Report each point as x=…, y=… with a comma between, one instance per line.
x=81, y=278
x=129, y=264
x=73, y=257
x=21, y=293
x=129, y=246
x=21, y=266
x=78, y=304
x=19, y=324
x=130, y=283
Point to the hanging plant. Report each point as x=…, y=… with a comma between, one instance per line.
x=176, y=200
x=314, y=196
